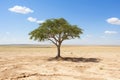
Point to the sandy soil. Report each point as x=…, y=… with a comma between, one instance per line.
x=79, y=63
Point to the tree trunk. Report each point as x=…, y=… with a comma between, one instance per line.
x=58, y=54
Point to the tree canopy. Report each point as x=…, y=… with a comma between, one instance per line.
x=56, y=30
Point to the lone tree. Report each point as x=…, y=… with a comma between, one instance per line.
x=56, y=31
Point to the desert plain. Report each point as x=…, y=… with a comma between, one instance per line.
x=78, y=63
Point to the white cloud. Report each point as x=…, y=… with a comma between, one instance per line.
x=113, y=20
x=110, y=32
x=31, y=19
x=20, y=9
x=39, y=22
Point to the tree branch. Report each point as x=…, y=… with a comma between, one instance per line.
x=55, y=38
x=64, y=37
x=53, y=41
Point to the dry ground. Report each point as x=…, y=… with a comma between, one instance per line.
x=81, y=63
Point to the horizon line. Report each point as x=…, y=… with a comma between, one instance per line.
x=61, y=45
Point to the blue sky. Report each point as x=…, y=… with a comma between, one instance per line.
x=100, y=19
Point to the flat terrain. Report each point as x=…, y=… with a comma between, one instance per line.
x=79, y=63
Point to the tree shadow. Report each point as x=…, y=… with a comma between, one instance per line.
x=75, y=59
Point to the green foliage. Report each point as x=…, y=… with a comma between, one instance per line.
x=55, y=30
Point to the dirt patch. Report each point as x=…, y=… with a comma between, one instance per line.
x=85, y=63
